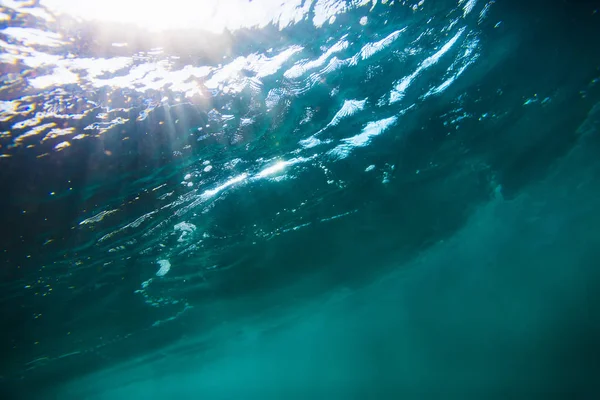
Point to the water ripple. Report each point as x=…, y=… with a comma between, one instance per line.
x=164, y=155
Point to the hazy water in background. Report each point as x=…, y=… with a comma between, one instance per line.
x=330, y=199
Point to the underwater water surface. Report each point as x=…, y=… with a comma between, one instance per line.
x=299, y=199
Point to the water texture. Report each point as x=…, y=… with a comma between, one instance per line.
x=304, y=199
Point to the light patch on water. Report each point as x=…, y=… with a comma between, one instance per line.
x=371, y=130
x=468, y=7
x=299, y=69
x=134, y=224
x=27, y=122
x=227, y=78
x=428, y=62
x=273, y=169
x=153, y=76
x=369, y=49
x=230, y=182
x=34, y=37
x=468, y=58
x=98, y=217
x=10, y=109
x=349, y=108
x=326, y=10
x=165, y=267
x=309, y=142
x=36, y=59
x=186, y=230
x=207, y=15
x=295, y=228
x=33, y=132
x=398, y=92
x=57, y=132
x=484, y=11
x=280, y=166
x=335, y=63
x=265, y=66
x=60, y=76
x=62, y=146
x=338, y=216
x=22, y=7
x=95, y=67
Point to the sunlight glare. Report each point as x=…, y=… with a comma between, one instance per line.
x=208, y=15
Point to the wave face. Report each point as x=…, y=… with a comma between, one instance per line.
x=235, y=199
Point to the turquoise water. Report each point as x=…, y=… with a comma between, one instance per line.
x=304, y=199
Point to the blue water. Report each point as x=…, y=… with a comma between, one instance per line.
x=307, y=199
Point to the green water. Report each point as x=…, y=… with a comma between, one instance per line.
x=376, y=201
